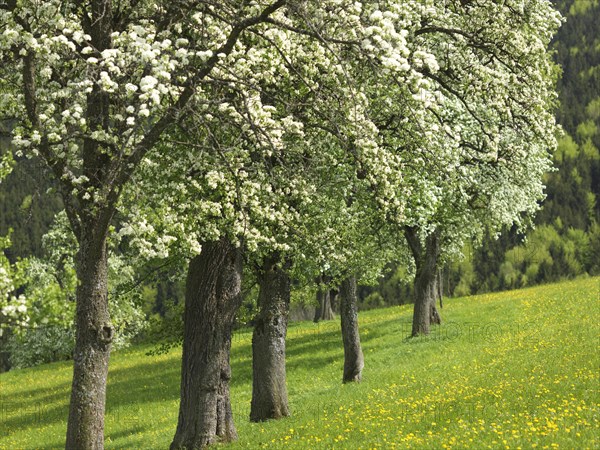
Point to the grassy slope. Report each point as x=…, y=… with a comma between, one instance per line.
x=507, y=370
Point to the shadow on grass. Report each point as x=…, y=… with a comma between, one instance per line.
x=125, y=434
x=32, y=420
x=159, y=380
x=149, y=382
x=128, y=433
x=39, y=396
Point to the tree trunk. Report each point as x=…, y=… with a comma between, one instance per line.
x=85, y=428
x=323, y=310
x=4, y=354
x=426, y=279
x=269, y=392
x=212, y=299
x=90, y=222
x=319, y=307
x=353, y=355
x=440, y=287
x=334, y=299
x=434, y=315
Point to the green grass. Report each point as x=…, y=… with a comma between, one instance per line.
x=508, y=370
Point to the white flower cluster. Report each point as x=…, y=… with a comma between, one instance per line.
x=13, y=308
x=433, y=114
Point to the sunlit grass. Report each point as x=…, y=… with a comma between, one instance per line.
x=513, y=370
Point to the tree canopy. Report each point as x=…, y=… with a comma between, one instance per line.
x=304, y=129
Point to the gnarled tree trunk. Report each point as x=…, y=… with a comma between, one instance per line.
x=353, y=355
x=85, y=429
x=90, y=222
x=269, y=392
x=212, y=299
x=426, y=280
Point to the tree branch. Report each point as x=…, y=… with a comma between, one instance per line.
x=125, y=168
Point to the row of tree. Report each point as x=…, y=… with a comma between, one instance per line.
x=307, y=142
x=566, y=240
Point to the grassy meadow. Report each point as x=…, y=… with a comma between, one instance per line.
x=517, y=369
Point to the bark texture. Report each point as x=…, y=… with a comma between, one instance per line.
x=212, y=299
x=85, y=428
x=426, y=280
x=269, y=391
x=353, y=356
x=94, y=332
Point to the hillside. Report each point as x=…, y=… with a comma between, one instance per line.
x=506, y=370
